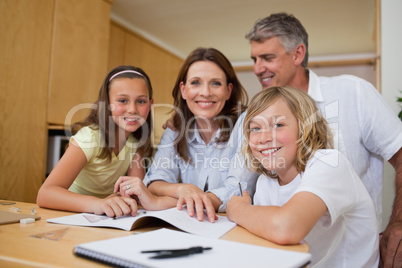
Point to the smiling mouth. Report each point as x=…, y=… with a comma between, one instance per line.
x=205, y=103
x=270, y=151
x=131, y=119
x=266, y=79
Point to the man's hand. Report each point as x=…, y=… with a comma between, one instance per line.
x=169, y=123
x=390, y=244
x=390, y=248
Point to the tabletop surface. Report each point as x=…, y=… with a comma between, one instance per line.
x=42, y=244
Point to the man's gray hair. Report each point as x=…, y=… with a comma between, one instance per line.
x=287, y=28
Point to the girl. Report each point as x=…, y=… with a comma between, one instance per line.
x=306, y=190
x=112, y=142
x=209, y=98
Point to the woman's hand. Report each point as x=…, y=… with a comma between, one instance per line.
x=194, y=197
x=124, y=183
x=237, y=204
x=133, y=187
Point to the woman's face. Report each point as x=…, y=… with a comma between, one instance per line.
x=129, y=103
x=273, y=139
x=206, y=89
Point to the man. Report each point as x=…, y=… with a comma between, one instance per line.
x=367, y=130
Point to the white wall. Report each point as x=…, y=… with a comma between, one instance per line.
x=249, y=82
x=391, y=58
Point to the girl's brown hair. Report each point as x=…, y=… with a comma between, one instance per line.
x=314, y=132
x=100, y=116
x=234, y=106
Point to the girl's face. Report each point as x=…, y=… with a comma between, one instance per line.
x=206, y=90
x=273, y=136
x=129, y=103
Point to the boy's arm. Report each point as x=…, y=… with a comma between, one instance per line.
x=288, y=224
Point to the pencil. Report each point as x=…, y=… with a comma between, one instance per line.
x=241, y=191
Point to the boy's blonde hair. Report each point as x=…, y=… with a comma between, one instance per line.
x=314, y=132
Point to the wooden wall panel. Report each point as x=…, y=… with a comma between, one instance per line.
x=24, y=72
x=128, y=48
x=133, y=51
x=79, y=56
x=154, y=62
x=117, y=46
x=161, y=65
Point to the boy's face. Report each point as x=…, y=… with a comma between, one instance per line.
x=272, y=65
x=272, y=140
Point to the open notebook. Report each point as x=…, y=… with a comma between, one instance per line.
x=178, y=218
x=126, y=252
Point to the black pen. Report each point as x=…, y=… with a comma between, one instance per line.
x=173, y=253
x=241, y=191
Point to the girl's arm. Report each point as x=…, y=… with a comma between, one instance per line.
x=137, y=168
x=54, y=192
x=288, y=224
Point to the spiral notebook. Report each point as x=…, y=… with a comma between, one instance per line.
x=126, y=252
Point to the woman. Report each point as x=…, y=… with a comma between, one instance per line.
x=208, y=98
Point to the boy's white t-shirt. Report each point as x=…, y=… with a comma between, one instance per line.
x=347, y=234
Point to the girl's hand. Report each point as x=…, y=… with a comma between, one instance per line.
x=237, y=204
x=194, y=197
x=115, y=206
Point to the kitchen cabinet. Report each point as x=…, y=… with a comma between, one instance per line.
x=53, y=56
x=80, y=46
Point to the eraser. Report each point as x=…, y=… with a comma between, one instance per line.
x=27, y=220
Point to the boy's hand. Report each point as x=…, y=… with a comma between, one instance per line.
x=236, y=204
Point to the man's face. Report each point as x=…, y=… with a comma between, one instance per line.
x=272, y=65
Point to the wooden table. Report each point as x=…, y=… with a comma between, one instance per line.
x=19, y=249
